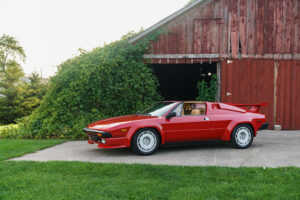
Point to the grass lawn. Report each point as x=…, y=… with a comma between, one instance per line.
x=75, y=180
x=14, y=148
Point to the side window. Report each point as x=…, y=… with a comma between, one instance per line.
x=178, y=110
x=187, y=110
x=191, y=109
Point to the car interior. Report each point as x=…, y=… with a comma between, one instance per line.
x=193, y=108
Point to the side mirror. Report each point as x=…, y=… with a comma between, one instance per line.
x=171, y=115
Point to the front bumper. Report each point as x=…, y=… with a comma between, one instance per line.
x=97, y=133
x=264, y=126
x=104, y=139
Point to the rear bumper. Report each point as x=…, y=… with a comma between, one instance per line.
x=264, y=126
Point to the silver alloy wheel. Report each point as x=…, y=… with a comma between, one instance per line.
x=146, y=141
x=243, y=136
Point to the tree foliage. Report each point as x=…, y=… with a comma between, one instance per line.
x=10, y=52
x=17, y=98
x=32, y=93
x=208, y=91
x=10, y=79
x=109, y=81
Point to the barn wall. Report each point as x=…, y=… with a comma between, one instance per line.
x=264, y=29
x=249, y=82
x=288, y=95
x=257, y=81
x=262, y=37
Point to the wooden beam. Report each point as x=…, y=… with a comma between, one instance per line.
x=219, y=75
x=178, y=56
x=218, y=56
x=276, y=68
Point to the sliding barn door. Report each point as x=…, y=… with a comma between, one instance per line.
x=249, y=81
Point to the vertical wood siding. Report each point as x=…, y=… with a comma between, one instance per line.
x=257, y=34
x=252, y=81
x=288, y=96
x=263, y=29
x=249, y=81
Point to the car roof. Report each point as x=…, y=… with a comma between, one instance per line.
x=193, y=102
x=185, y=101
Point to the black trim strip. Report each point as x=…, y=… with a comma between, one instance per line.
x=103, y=133
x=191, y=143
x=264, y=126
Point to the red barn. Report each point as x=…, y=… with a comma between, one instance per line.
x=252, y=45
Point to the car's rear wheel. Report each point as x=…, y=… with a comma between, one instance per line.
x=145, y=141
x=242, y=136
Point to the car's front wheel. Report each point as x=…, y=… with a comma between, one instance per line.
x=242, y=136
x=145, y=141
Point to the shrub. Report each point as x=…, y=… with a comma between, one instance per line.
x=208, y=92
x=9, y=131
x=109, y=81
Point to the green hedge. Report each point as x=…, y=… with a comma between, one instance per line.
x=109, y=81
x=9, y=131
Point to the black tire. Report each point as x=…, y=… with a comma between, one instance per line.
x=145, y=142
x=242, y=136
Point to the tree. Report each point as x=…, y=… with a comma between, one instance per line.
x=208, y=91
x=32, y=93
x=10, y=78
x=10, y=51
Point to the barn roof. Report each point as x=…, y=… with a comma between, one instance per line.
x=167, y=19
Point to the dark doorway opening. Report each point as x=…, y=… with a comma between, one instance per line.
x=179, y=81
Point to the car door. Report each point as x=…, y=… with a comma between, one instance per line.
x=182, y=129
x=188, y=127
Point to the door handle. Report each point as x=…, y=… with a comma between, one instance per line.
x=206, y=119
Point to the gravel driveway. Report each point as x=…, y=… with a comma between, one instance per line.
x=269, y=149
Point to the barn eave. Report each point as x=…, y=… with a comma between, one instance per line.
x=168, y=19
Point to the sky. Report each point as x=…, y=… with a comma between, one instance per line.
x=51, y=31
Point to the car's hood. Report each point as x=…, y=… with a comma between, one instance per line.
x=116, y=121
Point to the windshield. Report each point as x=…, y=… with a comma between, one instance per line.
x=159, y=109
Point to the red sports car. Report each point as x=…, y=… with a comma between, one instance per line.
x=170, y=122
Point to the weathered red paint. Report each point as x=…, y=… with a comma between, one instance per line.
x=288, y=85
x=223, y=118
x=265, y=29
x=249, y=81
x=252, y=81
x=268, y=32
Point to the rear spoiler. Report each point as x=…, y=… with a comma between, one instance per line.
x=253, y=107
